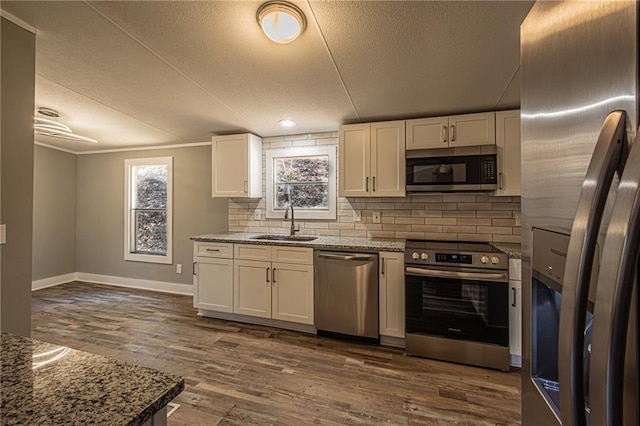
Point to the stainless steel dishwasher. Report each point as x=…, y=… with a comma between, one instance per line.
x=346, y=293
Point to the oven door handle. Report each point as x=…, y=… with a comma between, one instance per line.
x=477, y=276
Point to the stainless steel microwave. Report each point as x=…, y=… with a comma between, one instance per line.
x=471, y=168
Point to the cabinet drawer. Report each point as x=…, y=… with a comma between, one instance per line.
x=286, y=254
x=220, y=250
x=252, y=252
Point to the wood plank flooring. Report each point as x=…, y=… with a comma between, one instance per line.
x=239, y=374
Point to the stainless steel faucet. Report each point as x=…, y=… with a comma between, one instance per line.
x=293, y=223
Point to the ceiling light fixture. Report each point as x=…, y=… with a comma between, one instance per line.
x=281, y=21
x=55, y=129
x=286, y=122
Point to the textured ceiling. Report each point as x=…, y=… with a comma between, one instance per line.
x=145, y=73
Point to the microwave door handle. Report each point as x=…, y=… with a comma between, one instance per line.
x=614, y=297
x=582, y=245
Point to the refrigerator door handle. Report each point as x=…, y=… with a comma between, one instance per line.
x=582, y=245
x=613, y=299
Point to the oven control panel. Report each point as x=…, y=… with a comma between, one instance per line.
x=460, y=259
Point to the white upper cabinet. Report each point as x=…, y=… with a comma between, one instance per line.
x=452, y=131
x=372, y=160
x=509, y=159
x=236, y=166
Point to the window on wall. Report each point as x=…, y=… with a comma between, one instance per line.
x=304, y=178
x=148, y=209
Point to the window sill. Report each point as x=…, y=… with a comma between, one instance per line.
x=148, y=258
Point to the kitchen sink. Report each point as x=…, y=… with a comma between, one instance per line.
x=283, y=238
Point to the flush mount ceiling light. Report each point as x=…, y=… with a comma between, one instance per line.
x=285, y=122
x=281, y=21
x=51, y=127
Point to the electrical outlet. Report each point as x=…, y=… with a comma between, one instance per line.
x=257, y=214
x=518, y=223
x=3, y=234
x=179, y=268
x=356, y=216
x=376, y=217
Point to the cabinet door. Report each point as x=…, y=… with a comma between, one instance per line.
x=355, y=148
x=252, y=288
x=292, y=292
x=213, y=283
x=425, y=133
x=388, y=164
x=472, y=129
x=515, y=322
x=508, y=144
x=230, y=166
x=392, y=294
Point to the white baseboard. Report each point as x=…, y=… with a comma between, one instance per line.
x=161, y=286
x=164, y=287
x=53, y=281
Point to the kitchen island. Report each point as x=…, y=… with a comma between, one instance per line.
x=47, y=384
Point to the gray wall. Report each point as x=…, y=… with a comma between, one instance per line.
x=16, y=175
x=54, y=213
x=100, y=213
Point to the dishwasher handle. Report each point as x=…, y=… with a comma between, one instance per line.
x=347, y=256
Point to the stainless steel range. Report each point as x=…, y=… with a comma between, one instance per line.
x=457, y=302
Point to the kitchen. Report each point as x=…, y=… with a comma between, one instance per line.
x=100, y=201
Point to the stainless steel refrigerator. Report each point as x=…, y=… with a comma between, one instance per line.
x=580, y=213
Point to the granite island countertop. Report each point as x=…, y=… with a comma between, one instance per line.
x=322, y=242
x=47, y=384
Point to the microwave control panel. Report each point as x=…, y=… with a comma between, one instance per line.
x=489, y=169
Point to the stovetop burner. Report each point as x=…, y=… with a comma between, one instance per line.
x=459, y=254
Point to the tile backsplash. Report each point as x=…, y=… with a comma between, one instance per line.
x=457, y=216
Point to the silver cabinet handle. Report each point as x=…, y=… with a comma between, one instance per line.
x=367, y=184
x=268, y=274
x=453, y=133
x=245, y=186
x=382, y=266
x=606, y=158
x=476, y=276
x=500, y=179
x=513, y=294
x=614, y=300
x=214, y=250
x=374, y=184
x=193, y=269
x=445, y=131
x=273, y=275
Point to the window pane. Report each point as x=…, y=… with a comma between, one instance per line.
x=302, y=169
x=150, y=232
x=151, y=187
x=305, y=196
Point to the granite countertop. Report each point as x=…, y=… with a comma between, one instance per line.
x=513, y=250
x=322, y=242
x=47, y=384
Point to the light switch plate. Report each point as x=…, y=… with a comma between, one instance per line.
x=376, y=217
x=3, y=234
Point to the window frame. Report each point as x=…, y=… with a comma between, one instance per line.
x=128, y=225
x=330, y=212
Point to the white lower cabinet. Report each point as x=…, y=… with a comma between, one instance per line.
x=391, y=282
x=515, y=312
x=276, y=290
x=213, y=276
x=252, y=288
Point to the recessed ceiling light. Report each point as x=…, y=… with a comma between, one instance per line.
x=287, y=122
x=281, y=21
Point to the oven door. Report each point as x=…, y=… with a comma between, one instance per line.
x=467, y=305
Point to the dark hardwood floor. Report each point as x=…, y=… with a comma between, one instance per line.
x=239, y=374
